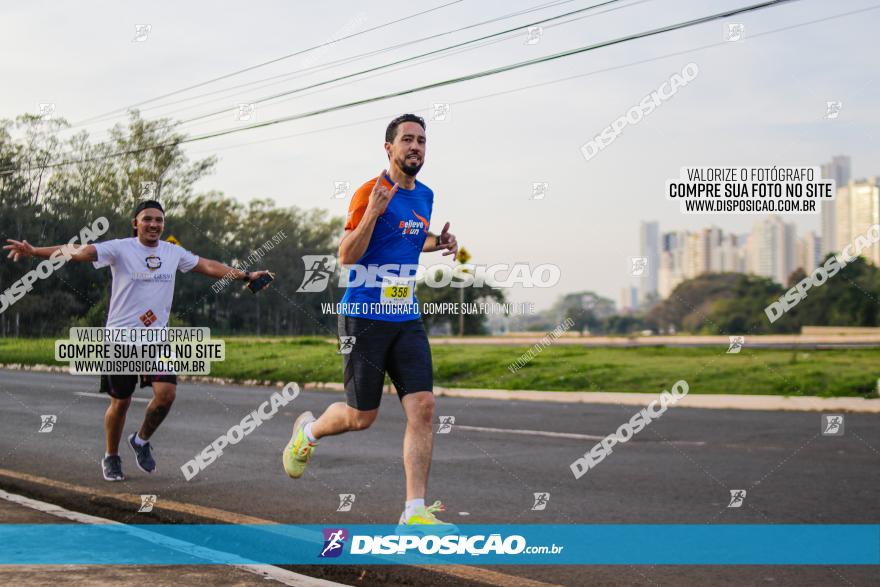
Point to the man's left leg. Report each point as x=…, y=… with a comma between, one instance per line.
x=410, y=368
x=418, y=442
x=164, y=393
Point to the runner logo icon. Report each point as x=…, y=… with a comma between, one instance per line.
x=346, y=500
x=736, y=344
x=346, y=345
x=639, y=265
x=334, y=541
x=319, y=268
x=832, y=424
x=147, y=503
x=47, y=422
x=737, y=498
x=541, y=500
x=446, y=424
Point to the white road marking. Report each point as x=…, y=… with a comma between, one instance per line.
x=266, y=571
x=474, y=574
x=105, y=396
x=550, y=434
x=49, y=508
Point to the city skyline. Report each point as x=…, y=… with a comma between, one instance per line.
x=772, y=248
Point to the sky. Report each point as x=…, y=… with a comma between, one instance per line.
x=760, y=101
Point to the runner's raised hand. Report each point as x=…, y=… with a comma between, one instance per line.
x=380, y=196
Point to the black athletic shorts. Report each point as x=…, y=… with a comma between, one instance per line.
x=400, y=349
x=122, y=386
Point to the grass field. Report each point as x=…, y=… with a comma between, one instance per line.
x=556, y=368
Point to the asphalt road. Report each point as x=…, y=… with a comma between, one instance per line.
x=680, y=469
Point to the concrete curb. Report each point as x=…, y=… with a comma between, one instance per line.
x=133, y=574
x=702, y=401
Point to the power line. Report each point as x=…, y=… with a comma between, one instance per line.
x=495, y=71
x=328, y=65
x=405, y=60
x=439, y=56
x=466, y=45
x=275, y=60
x=473, y=44
x=549, y=82
x=451, y=81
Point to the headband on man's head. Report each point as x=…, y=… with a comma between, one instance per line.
x=148, y=204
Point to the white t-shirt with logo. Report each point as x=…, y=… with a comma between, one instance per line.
x=143, y=280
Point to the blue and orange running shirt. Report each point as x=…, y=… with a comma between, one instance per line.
x=381, y=285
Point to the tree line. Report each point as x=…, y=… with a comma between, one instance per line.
x=728, y=304
x=48, y=204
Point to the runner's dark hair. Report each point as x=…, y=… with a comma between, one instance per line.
x=143, y=206
x=391, y=131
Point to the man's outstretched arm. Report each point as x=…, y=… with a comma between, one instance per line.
x=21, y=249
x=219, y=270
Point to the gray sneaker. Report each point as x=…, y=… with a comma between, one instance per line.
x=112, y=467
x=143, y=454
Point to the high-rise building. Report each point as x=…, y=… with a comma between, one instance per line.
x=837, y=169
x=629, y=300
x=773, y=249
x=858, y=208
x=649, y=247
x=712, y=239
x=671, y=271
x=728, y=255
x=686, y=255
x=810, y=252
x=694, y=261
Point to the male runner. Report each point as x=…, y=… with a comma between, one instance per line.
x=387, y=224
x=143, y=270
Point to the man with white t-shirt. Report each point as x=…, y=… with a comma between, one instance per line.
x=143, y=269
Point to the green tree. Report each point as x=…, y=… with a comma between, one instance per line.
x=51, y=188
x=849, y=298
x=720, y=303
x=586, y=309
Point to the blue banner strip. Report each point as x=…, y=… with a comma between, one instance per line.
x=660, y=544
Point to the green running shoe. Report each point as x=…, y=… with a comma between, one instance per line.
x=424, y=519
x=299, y=450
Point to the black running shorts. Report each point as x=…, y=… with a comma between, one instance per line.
x=122, y=386
x=400, y=349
